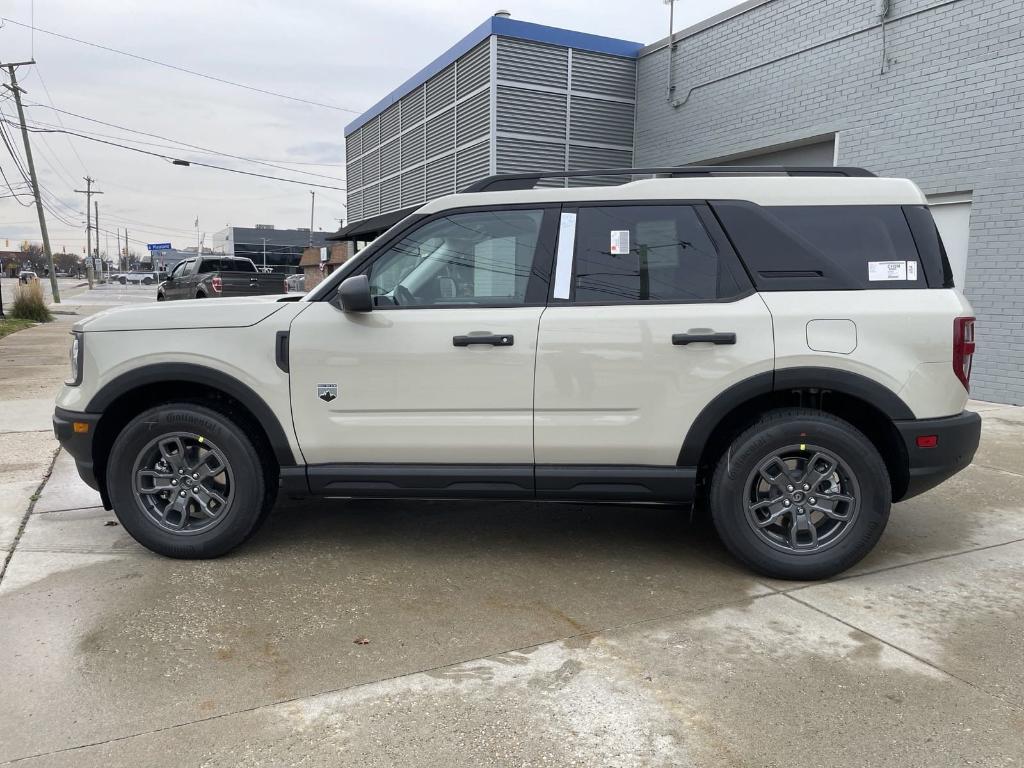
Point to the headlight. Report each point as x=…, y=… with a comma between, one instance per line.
x=75, y=358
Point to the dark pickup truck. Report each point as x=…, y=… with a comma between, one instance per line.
x=207, y=277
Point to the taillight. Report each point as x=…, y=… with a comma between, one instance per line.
x=286, y=286
x=217, y=283
x=963, y=349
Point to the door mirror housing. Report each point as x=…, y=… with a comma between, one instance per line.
x=354, y=294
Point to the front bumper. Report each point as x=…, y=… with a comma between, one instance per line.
x=77, y=440
x=957, y=439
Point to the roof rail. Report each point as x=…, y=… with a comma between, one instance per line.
x=517, y=181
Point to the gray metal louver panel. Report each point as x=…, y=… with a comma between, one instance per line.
x=371, y=201
x=441, y=177
x=581, y=158
x=414, y=184
x=607, y=122
x=472, y=163
x=354, y=174
x=536, y=112
x=534, y=63
x=412, y=146
x=390, y=158
x=441, y=133
x=473, y=118
x=353, y=145
x=371, y=134
x=441, y=89
x=390, y=122
x=354, y=211
x=474, y=68
x=391, y=195
x=602, y=74
x=412, y=108
x=371, y=167
x=517, y=155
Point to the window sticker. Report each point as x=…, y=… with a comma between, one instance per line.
x=619, y=242
x=911, y=270
x=887, y=270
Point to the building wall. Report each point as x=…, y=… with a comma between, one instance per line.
x=947, y=112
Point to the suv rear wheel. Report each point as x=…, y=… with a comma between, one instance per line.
x=186, y=481
x=800, y=495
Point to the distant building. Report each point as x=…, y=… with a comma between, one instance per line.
x=279, y=249
x=318, y=263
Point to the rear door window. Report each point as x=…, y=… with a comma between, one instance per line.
x=639, y=253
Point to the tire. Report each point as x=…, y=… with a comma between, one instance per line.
x=161, y=297
x=221, y=511
x=764, y=514
x=200, y=295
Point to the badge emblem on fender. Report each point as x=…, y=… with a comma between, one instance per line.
x=327, y=392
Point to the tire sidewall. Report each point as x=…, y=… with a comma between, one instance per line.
x=729, y=497
x=246, y=507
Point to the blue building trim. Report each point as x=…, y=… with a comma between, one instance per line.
x=504, y=27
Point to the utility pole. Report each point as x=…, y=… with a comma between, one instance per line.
x=96, y=203
x=89, y=192
x=264, y=253
x=312, y=207
x=13, y=88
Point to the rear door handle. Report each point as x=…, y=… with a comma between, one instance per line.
x=682, y=339
x=495, y=340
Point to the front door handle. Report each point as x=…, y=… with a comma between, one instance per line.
x=494, y=339
x=682, y=339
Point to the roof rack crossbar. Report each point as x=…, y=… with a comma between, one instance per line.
x=518, y=181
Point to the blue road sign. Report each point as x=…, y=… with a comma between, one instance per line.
x=159, y=246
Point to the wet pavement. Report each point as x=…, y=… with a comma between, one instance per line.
x=502, y=634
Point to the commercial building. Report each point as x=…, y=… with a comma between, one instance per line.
x=278, y=249
x=932, y=90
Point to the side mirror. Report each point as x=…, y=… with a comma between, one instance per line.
x=354, y=294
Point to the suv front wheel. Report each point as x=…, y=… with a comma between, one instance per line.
x=187, y=482
x=800, y=495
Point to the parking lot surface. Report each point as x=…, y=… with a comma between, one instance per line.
x=384, y=633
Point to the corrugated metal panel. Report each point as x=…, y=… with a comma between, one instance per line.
x=354, y=174
x=371, y=167
x=390, y=195
x=606, y=75
x=441, y=89
x=606, y=122
x=353, y=145
x=441, y=133
x=474, y=68
x=371, y=201
x=412, y=108
x=535, y=112
x=472, y=163
x=354, y=211
x=414, y=186
x=535, y=63
x=390, y=158
x=371, y=134
x=441, y=177
x=390, y=122
x=515, y=155
x=412, y=147
x=581, y=158
x=474, y=118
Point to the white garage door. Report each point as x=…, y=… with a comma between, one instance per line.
x=952, y=214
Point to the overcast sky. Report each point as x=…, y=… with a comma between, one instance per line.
x=347, y=53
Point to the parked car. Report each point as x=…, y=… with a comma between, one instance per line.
x=788, y=352
x=295, y=284
x=27, y=276
x=206, y=277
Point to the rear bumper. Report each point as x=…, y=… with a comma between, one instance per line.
x=957, y=441
x=78, y=444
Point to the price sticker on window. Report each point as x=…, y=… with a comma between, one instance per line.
x=619, y=242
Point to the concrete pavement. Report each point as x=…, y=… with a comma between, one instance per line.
x=501, y=634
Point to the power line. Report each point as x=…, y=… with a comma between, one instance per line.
x=179, y=161
x=59, y=120
x=177, y=68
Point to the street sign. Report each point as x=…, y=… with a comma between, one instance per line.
x=159, y=246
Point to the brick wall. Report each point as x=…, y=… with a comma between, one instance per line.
x=948, y=112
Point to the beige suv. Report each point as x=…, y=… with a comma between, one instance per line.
x=783, y=347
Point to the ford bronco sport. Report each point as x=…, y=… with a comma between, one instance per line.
x=783, y=346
